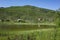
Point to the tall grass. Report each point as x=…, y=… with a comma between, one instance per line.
x=43, y=34
x=28, y=32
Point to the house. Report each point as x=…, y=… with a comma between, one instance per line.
x=21, y=20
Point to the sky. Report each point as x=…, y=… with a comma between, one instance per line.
x=49, y=4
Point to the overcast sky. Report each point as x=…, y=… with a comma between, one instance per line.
x=49, y=4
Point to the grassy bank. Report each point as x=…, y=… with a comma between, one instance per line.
x=39, y=34
x=29, y=32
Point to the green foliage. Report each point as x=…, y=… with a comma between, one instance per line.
x=58, y=17
x=41, y=34
x=30, y=13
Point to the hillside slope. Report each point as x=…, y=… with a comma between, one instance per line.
x=27, y=12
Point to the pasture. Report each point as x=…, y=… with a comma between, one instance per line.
x=29, y=32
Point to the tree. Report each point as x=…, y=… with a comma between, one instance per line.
x=58, y=23
x=58, y=17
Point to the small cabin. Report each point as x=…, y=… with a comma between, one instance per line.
x=21, y=20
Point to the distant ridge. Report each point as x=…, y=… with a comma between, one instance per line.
x=27, y=12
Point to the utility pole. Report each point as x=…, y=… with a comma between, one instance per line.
x=38, y=22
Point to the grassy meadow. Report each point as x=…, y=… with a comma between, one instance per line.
x=28, y=32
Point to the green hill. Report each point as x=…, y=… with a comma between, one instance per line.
x=28, y=13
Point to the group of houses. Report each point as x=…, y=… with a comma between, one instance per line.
x=45, y=19
x=22, y=20
x=9, y=20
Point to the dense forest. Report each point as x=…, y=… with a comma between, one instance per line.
x=28, y=13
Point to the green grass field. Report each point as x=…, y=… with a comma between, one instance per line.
x=28, y=32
